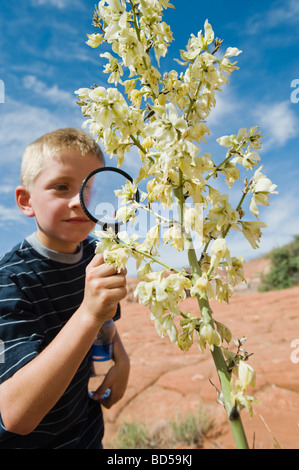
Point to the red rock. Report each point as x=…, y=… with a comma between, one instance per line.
x=165, y=381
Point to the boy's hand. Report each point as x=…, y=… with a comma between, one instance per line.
x=117, y=377
x=104, y=289
x=116, y=381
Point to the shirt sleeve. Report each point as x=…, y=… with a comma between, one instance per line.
x=20, y=332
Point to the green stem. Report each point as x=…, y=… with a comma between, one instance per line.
x=236, y=425
x=137, y=29
x=148, y=255
x=192, y=101
x=135, y=21
x=206, y=312
x=237, y=209
x=155, y=214
x=229, y=156
x=138, y=144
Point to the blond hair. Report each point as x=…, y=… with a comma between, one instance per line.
x=50, y=146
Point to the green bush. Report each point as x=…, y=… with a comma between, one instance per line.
x=132, y=436
x=192, y=428
x=188, y=431
x=284, y=270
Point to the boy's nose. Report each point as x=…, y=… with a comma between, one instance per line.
x=75, y=201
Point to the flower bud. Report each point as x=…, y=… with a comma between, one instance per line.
x=246, y=375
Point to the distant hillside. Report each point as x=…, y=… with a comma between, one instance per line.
x=254, y=270
x=284, y=267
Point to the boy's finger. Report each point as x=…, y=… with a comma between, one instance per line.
x=106, y=270
x=97, y=260
x=103, y=391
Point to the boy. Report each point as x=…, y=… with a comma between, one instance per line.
x=55, y=296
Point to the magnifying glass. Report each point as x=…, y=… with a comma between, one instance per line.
x=98, y=198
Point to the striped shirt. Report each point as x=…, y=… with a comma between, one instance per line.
x=40, y=290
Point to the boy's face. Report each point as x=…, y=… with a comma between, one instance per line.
x=54, y=199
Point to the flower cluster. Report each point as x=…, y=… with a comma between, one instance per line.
x=162, y=294
x=164, y=116
x=245, y=377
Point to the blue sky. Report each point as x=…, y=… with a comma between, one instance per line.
x=44, y=58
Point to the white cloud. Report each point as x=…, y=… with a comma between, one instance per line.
x=132, y=163
x=6, y=188
x=282, y=222
x=281, y=12
x=22, y=123
x=282, y=215
x=55, y=3
x=53, y=94
x=278, y=123
x=10, y=214
x=226, y=105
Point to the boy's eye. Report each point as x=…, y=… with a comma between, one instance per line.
x=61, y=187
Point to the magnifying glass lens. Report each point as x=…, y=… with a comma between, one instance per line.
x=98, y=197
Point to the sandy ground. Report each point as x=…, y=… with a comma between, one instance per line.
x=165, y=381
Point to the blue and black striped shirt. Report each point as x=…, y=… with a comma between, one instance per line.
x=40, y=290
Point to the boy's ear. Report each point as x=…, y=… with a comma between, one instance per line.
x=23, y=201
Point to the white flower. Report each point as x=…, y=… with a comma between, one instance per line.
x=252, y=231
x=224, y=331
x=165, y=325
x=225, y=141
x=202, y=287
x=105, y=239
x=261, y=188
x=94, y=40
x=165, y=118
x=168, y=125
x=246, y=375
x=234, y=140
x=162, y=293
x=192, y=217
x=128, y=191
x=174, y=234
x=185, y=339
x=232, y=51
x=219, y=251
x=248, y=160
x=114, y=68
x=117, y=256
x=153, y=236
x=208, y=335
x=241, y=401
x=197, y=44
x=104, y=106
x=262, y=184
x=222, y=212
x=223, y=290
x=235, y=270
x=161, y=192
x=126, y=213
x=144, y=271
